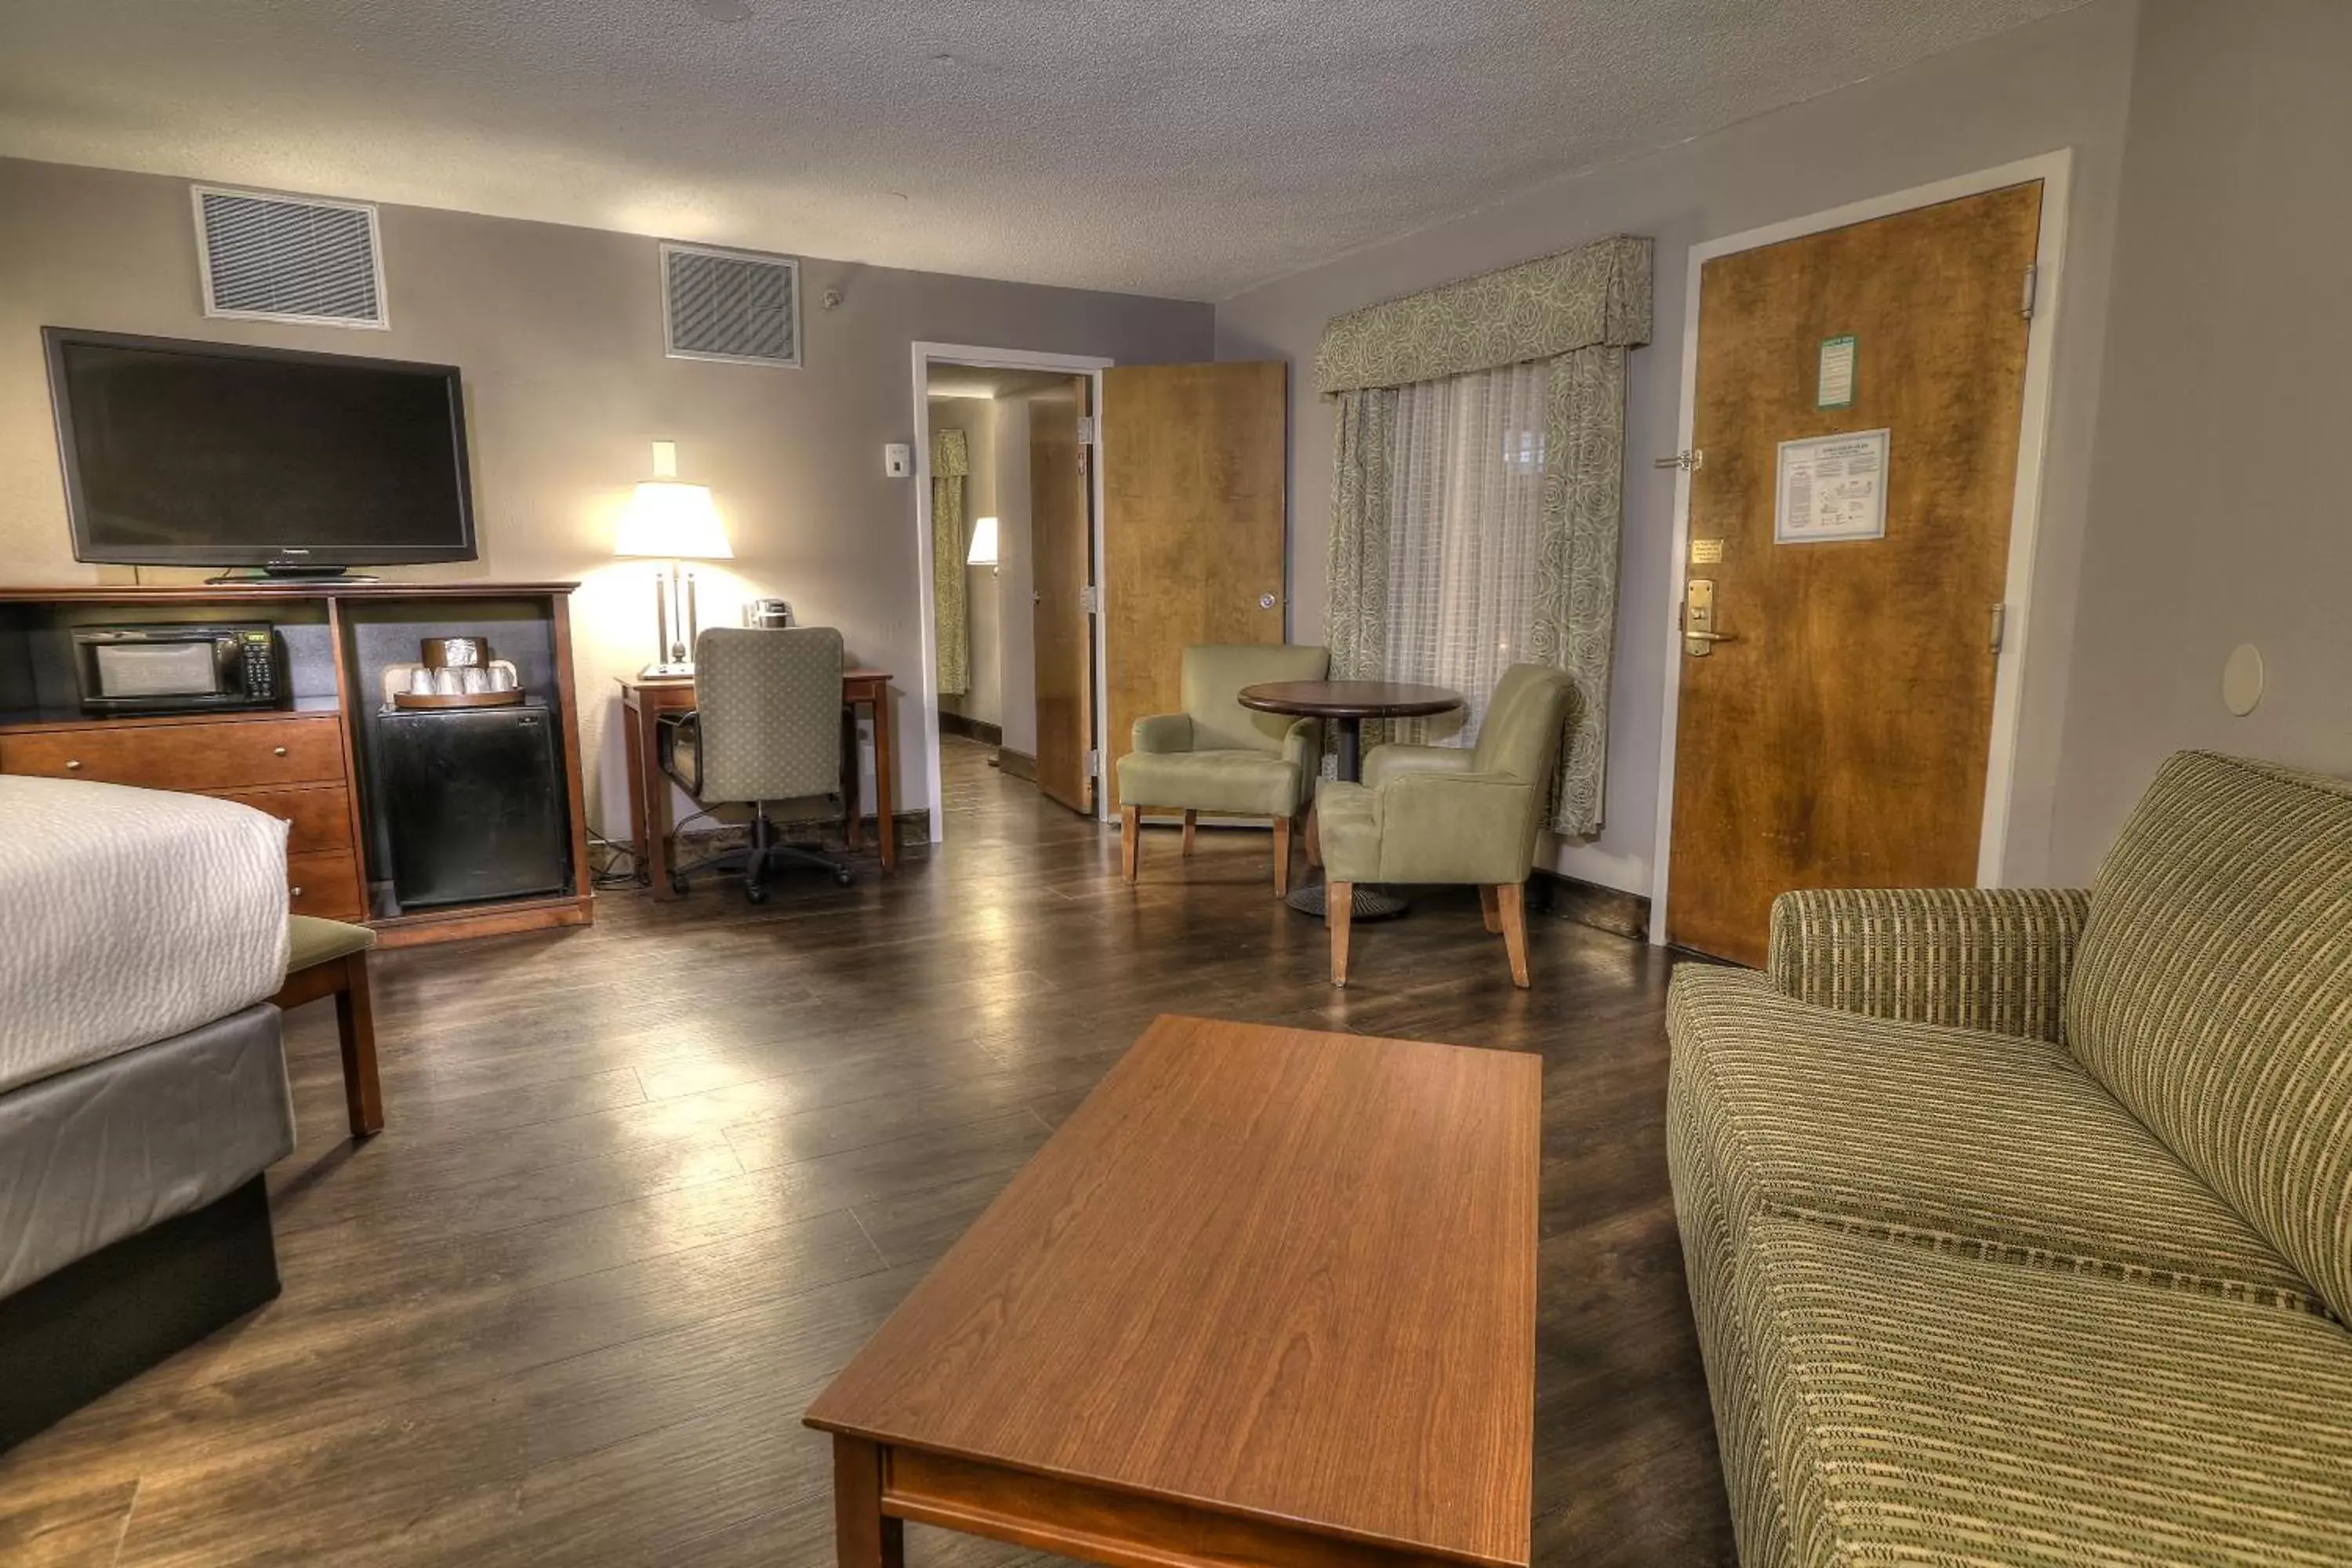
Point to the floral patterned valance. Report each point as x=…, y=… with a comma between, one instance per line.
x=1596, y=294
x=950, y=455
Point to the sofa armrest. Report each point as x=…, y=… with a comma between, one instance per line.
x=1995, y=959
x=1453, y=827
x=1382, y=763
x=1164, y=732
x=1302, y=747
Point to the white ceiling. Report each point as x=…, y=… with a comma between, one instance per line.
x=1180, y=147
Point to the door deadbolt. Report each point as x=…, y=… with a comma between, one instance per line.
x=1699, y=636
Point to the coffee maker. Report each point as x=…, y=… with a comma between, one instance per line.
x=768, y=614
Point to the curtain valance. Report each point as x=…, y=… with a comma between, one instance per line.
x=1597, y=295
x=950, y=455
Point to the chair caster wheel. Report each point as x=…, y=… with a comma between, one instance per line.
x=844, y=878
x=755, y=894
x=678, y=884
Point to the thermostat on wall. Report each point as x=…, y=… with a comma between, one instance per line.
x=897, y=459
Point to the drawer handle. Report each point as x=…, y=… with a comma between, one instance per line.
x=295, y=892
x=74, y=766
x=277, y=751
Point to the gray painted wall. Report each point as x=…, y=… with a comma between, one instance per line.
x=2057, y=84
x=559, y=331
x=2217, y=513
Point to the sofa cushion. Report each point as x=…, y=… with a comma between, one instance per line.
x=1250, y=783
x=1980, y=1144
x=1930, y=1409
x=2212, y=994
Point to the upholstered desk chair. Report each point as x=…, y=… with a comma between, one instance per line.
x=1219, y=757
x=1451, y=813
x=766, y=726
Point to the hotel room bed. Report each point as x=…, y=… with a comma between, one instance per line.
x=142, y=1085
x=127, y=915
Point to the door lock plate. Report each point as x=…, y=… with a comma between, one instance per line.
x=1699, y=636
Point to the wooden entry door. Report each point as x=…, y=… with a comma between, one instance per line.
x=1193, y=522
x=1061, y=543
x=1839, y=736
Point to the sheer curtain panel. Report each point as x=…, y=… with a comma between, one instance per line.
x=1465, y=532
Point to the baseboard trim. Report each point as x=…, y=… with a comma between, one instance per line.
x=1589, y=904
x=980, y=729
x=1015, y=764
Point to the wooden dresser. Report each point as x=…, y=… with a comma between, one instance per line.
x=307, y=760
x=296, y=765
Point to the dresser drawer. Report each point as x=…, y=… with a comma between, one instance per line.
x=199, y=757
x=325, y=885
x=319, y=815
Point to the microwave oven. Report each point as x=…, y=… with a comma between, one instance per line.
x=178, y=668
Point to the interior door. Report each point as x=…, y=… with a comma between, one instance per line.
x=1062, y=551
x=1837, y=735
x=1193, y=492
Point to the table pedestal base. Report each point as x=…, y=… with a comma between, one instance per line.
x=1371, y=903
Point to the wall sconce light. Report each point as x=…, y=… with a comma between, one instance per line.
x=676, y=523
x=983, y=543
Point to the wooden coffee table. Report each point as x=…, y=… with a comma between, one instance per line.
x=1268, y=1297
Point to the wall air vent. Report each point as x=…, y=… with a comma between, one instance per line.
x=268, y=258
x=732, y=305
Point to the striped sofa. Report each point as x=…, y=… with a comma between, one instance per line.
x=2018, y=1224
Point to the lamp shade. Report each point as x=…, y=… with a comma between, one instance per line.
x=677, y=520
x=983, y=543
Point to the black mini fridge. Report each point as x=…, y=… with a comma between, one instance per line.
x=473, y=802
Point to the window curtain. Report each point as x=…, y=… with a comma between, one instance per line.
x=1427, y=388
x=950, y=461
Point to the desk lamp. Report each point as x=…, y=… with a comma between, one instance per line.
x=675, y=523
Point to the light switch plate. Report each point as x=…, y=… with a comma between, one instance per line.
x=897, y=459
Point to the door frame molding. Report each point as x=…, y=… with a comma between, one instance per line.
x=2055, y=170
x=927, y=354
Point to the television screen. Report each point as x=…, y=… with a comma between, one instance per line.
x=211, y=455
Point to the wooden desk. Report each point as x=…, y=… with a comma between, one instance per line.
x=644, y=701
x=1268, y=1296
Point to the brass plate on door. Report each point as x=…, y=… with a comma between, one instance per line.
x=1706, y=551
x=1699, y=636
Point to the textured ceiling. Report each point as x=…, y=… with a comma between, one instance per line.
x=1180, y=147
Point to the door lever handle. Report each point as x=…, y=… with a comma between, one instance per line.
x=1699, y=636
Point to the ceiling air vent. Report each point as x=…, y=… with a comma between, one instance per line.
x=731, y=305
x=288, y=259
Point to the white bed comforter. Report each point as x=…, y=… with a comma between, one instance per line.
x=127, y=916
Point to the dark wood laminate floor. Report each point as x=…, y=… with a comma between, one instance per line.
x=647, y=1186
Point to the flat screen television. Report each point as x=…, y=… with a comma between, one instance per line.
x=187, y=453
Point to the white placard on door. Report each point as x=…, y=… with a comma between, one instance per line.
x=1831, y=487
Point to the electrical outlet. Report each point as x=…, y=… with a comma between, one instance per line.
x=897, y=459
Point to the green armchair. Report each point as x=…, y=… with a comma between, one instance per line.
x=1444, y=814
x=1219, y=757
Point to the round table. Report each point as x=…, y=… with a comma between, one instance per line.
x=1348, y=703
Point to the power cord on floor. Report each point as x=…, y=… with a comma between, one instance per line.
x=618, y=866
